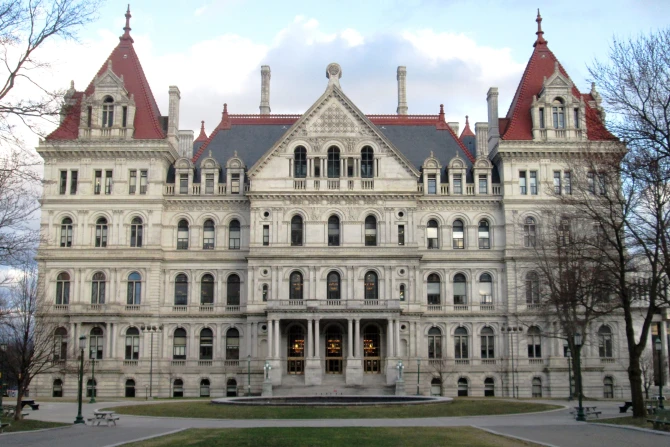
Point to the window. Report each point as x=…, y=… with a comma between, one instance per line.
x=317, y=167
x=300, y=162
x=576, y=118
x=462, y=387
x=431, y=234
x=529, y=232
x=558, y=112
x=108, y=112
x=432, y=184
x=108, y=182
x=266, y=235
x=434, y=343
x=89, y=114
x=522, y=182
x=134, y=295
x=57, y=390
x=433, y=289
x=234, y=235
x=564, y=232
x=567, y=184
x=533, y=183
x=95, y=344
x=178, y=388
x=66, y=232
x=333, y=162
x=402, y=292
x=457, y=234
x=232, y=344
x=557, y=182
x=101, y=232
x=370, y=231
x=204, y=388
x=209, y=184
x=542, y=124
x=132, y=181
x=181, y=290
x=233, y=290
x=532, y=288
x=537, y=387
x=367, y=159
x=296, y=286
x=487, y=343
x=63, y=288
x=182, y=235
x=485, y=289
x=296, y=231
x=74, y=175
x=124, y=120
x=265, y=292
x=60, y=344
x=484, y=235
x=208, y=235
x=207, y=289
x=136, y=230
x=489, y=387
x=130, y=388
x=401, y=235
x=483, y=184
x=461, y=343
x=458, y=184
x=234, y=183
x=183, y=183
x=132, y=344
x=605, y=342
x=98, y=288
x=179, y=345
x=206, y=344
x=590, y=180
x=602, y=183
x=350, y=167
x=333, y=231
x=144, y=177
x=62, y=187
x=371, y=292
x=333, y=286
x=608, y=388
x=97, y=183
x=534, y=343
x=460, y=297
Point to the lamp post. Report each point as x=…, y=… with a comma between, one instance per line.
x=82, y=346
x=578, y=351
x=249, y=375
x=418, y=374
x=568, y=354
x=267, y=367
x=152, y=330
x=661, y=370
x=3, y=350
x=94, y=355
x=400, y=367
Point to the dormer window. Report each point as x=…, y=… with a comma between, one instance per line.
x=558, y=112
x=108, y=112
x=334, y=162
x=300, y=162
x=542, y=125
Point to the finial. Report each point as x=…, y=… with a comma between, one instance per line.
x=225, y=107
x=126, y=29
x=235, y=154
x=540, y=34
x=441, y=109
x=334, y=73
x=72, y=85
x=431, y=154
x=202, y=125
x=210, y=153
x=467, y=121
x=202, y=136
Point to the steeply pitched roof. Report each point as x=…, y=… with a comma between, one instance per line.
x=203, y=136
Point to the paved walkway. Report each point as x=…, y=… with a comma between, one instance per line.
x=556, y=428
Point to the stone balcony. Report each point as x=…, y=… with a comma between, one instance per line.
x=333, y=305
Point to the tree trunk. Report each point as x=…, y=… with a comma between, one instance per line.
x=635, y=379
x=19, y=398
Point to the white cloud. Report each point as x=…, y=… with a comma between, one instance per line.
x=200, y=10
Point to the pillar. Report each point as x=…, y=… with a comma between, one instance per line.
x=270, y=339
x=254, y=339
x=350, y=341
x=397, y=338
x=309, y=339
x=277, y=352
x=389, y=339
x=316, y=338
x=357, y=338
x=248, y=337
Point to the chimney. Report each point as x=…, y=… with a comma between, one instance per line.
x=402, y=90
x=173, y=114
x=494, y=132
x=454, y=126
x=265, y=90
x=186, y=143
x=482, y=133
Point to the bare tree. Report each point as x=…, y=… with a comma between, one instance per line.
x=647, y=370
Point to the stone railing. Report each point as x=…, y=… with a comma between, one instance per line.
x=332, y=304
x=470, y=190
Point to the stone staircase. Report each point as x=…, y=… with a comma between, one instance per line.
x=331, y=384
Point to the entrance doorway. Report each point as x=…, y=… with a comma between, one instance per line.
x=296, y=350
x=371, y=353
x=334, y=350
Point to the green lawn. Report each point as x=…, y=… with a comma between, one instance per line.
x=27, y=424
x=335, y=437
x=459, y=407
x=628, y=420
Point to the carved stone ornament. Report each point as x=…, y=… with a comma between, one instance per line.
x=332, y=121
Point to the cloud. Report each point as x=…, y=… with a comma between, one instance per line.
x=200, y=10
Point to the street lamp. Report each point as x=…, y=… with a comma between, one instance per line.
x=418, y=374
x=82, y=346
x=3, y=350
x=578, y=350
x=249, y=375
x=152, y=330
x=400, y=367
x=568, y=354
x=659, y=348
x=94, y=355
x=267, y=367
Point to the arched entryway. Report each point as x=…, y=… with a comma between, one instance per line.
x=296, y=350
x=130, y=388
x=334, y=349
x=231, y=388
x=371, y=349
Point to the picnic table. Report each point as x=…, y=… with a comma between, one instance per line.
x=31, y=403
x=103, y=416
x=588, y=411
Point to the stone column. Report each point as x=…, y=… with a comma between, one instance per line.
x=397, y=338
x=277, y=352
x=248, y=337
x=254, y=339
x=350, y=341
x=110, y=335
x=389, y=339
x=357, y=338
x=308, y=354
x=270, y=339
x=316, y=338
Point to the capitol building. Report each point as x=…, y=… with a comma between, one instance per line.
x=319, y=249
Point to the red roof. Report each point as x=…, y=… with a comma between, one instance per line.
x=467, y=132
x=203, y=135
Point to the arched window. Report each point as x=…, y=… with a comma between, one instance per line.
x=296, y=231
x=529, y=227
x=178, y=388
x=63, y=288
x=333, y=231
x=484, y=235
x=265, y=292
x=488, y=344
x=132, y=344
x=333, y=162
x=462, y=387
x=485, y=289
x=234, y=235
x=134, y=295
x=300, y=162
x=181, y=290
x=608, y=388
x=98, y=288
x=460, y=293
x=371, y=290
x=91, y=388
x=232, y=344
x=179, y=344
x=296, y=286
x=208, y=235
x=136, y=230
x=95, y=343
x=333, y=286
x=431, y=234
x=108, y=111
x=434, y=343
x=370, y=231
x=532, y=288
x=457, y=234
x=558, y=112
x=605, y=342
x=233, y=290
x=204, y=388
x=231, y=388
x=402, y=292
x=489, y=387
x=207, y=289
x=130, y=388
x=534, y=343
x=182, y=235
x=433, y=289
x=206, y=344
x=57, y=390
x=461, y=350
x=537, y=387
x=367, y=160
x=60, y=344
x=436, y=386
x=66, y=232
x=101, y=232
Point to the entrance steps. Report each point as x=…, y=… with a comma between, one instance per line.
x=333, y=384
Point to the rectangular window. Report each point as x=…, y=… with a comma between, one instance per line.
x=74, y=177
x=108, y=182
x=401, y=235
x=483, y=184
x=144, y=177
x=209, y=184
x=576, y=118
x=62, y=187
x=522, y=182
x=350, y=167
x=458, y=184
x=89, y=116
x=183, y=183
x=97, y=184
x=266, y=235
x=235, y=183
x=533, y=183
x=432, y=184
x=590, y=182
x=567, y=185
x=557, y=182
x=124, y=119
x=542, y=125
x=317, y=167
x=602, y=184
x=132, y=181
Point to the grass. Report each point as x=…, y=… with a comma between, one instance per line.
x=27, y=425
x=459, y=407
x=335, y=437
x=627, y=420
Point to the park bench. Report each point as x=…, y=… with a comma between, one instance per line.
x=661, y=419
x=2, y=426
x=624, y=408
x=30, y=403
x=103, y=416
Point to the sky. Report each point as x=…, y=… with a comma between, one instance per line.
x=454, y=50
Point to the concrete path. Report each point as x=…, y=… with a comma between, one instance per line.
x=556, y=428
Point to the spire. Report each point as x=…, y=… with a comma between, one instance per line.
x=540, y=34
x=203, y=135
x=467, y=132
x=126, y=29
